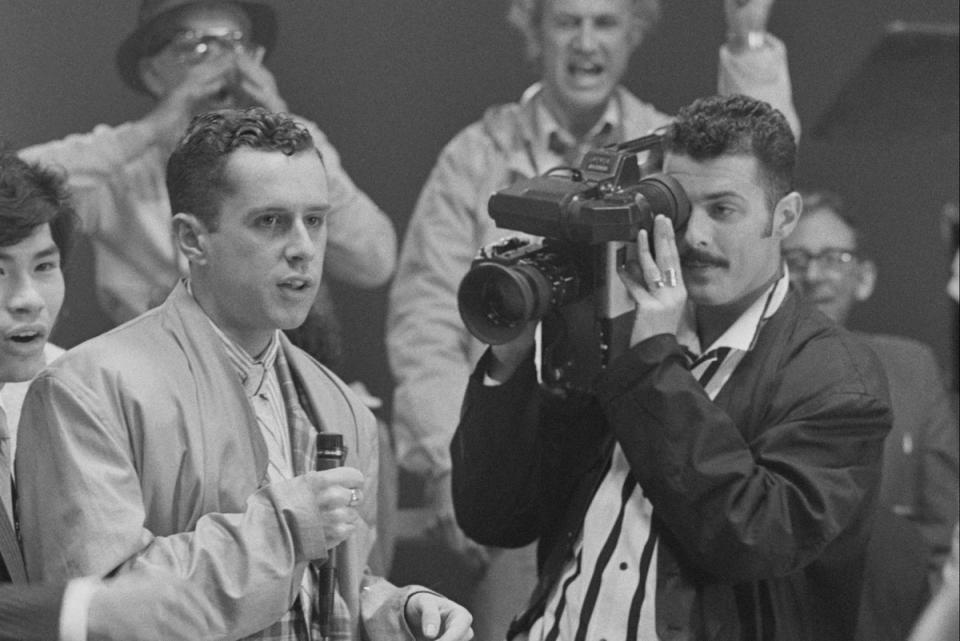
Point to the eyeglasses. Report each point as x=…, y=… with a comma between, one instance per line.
x=832, y=258
x=194, y=47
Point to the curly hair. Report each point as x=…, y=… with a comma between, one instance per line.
x=196, y=169
x=730, y=125
x=526, y=17
x=32, y=195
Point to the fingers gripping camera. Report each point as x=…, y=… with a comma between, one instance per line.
x=587, y=218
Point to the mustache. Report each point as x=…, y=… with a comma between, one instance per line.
x=700, y=257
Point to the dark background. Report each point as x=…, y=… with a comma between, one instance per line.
x=391, y=81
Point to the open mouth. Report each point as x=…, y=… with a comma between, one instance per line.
x=25, y=337
x=584, y=68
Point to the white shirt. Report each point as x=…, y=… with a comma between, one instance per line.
x=599, y=592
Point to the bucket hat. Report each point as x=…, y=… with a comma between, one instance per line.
x=263, y=21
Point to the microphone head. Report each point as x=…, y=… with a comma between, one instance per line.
x=331, y=451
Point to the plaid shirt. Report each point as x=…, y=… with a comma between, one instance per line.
x=292, y=625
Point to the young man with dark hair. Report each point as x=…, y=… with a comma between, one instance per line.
x=720, y=482
x=36, y=227
x=185, y=440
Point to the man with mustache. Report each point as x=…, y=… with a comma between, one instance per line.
x=920, y=485
x=719, y=483
x=184, y=441
x=192, y=56
x=582, y=49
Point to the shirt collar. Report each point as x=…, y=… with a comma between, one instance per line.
x=547, y=129
x=742, y=335
x=252, y=370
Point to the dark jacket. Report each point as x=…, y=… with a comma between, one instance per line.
x=26, y=612
x=763, y=498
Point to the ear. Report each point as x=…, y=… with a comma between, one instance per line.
x=151, y=78
x=786, y=214
x=192, y=238
x=866, y=280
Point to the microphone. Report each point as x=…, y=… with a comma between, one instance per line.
x=330, y=454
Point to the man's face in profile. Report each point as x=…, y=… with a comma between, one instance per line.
x=585, y=47
x=821, y=254
x=31, y=293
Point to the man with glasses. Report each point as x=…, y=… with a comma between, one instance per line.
x=192, y=56
x=919, y=486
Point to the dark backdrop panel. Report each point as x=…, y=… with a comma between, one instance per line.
x=390, y=81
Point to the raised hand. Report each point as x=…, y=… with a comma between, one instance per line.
x=257, y=83
x=744, y=16
x=203, y=87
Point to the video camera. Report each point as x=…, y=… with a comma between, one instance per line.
x=588, y=218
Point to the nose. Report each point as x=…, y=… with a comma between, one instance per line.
x=25, y=298
x=814, y=272
x=302, y=243
x=697, y=232
x=586, y=39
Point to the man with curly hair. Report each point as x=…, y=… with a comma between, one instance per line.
x=720, y=482
x=184, y=441
x=582, y=49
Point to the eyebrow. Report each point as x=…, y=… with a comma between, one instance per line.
x=43, y=253
x=717, y=195
x=280, y=209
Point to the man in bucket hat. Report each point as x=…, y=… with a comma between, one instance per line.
x=192, y=56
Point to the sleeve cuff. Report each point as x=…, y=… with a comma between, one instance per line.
x=76, y=606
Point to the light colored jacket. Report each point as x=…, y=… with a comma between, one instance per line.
x=144, y=452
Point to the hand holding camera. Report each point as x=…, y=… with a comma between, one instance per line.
x=655, y=282
x=588, y=219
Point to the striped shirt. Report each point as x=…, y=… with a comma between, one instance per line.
x=607, y=590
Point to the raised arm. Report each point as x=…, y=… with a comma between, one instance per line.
x=753, y=62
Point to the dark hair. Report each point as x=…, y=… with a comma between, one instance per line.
x=196, y=178
x=725, y=125
x=32, y=195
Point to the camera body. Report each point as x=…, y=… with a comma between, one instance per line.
x=580, y=225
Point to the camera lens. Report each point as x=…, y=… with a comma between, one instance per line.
x=496, y=301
